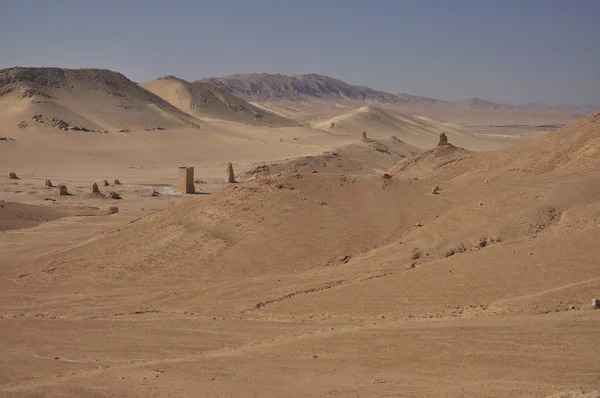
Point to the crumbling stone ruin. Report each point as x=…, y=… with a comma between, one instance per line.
x=443, y=140
x=61, y=190
x=13, y=176
x=48, y=184
x=185, y=180
x=95, y=189
x=230, y=174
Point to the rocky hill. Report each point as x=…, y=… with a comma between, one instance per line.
x=269, y=87
x=87, y=99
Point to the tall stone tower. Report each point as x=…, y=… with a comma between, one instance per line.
x=185, y=180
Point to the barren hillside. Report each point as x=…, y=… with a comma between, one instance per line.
x=204, y=100
x=572, y=149
x=82, y=99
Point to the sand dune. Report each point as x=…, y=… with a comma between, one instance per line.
x=205, y=100
x=92, y=99
x=378, y=123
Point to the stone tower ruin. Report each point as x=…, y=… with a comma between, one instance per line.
x=230, y=174
x=185, y=180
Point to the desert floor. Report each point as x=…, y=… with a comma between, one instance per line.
x=319, y=279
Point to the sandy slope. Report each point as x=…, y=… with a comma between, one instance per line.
x=318, y=276
x=321, y=284
x=205, y=100
x=572, y=149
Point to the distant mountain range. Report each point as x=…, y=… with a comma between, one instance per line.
x=262, y=87
x=269, y=87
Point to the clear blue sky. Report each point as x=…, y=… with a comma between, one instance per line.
x=515, y=51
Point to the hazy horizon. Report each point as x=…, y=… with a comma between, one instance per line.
x=516, y=52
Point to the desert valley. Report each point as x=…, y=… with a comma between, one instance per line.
x=372, y=244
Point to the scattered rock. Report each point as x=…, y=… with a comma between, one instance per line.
x=345, y=259
x=386, y=176
x=8, y=139
x=114, y=195
x=12, y=176
x=259, y=170
x=95, y=189
x=596, y=304
x=416, y=254
x=230, y=174
x=113, y=210
x=61, y=190
x=480, y=203
x=154, y=193
x=106, y=184
x=48, y=184
x=116, y=182
x=455, y=250
x=418, y=224
x=483, y=242
x=364, y=135
x=435, y=190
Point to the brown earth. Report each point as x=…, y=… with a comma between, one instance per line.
x=316, y=276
